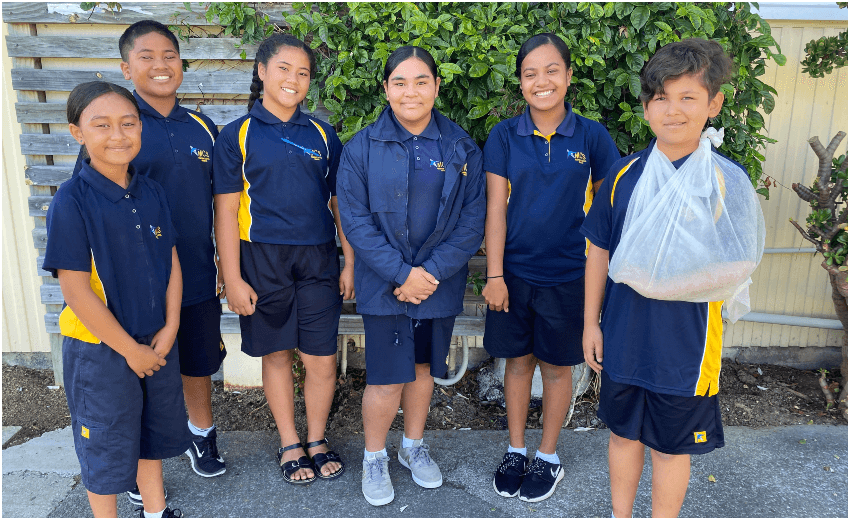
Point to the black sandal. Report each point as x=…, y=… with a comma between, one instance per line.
x=289, y=468
x=320, y=459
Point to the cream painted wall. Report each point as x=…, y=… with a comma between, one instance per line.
x=23, y=323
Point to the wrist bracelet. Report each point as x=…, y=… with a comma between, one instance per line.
x=500, y=276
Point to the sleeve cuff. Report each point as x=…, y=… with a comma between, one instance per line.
x=403, y=273
x=431, y=267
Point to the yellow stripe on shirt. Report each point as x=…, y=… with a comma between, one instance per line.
x=614, y=187
x=201, y=121
x=588, y=201
x=324, y=138
x=709, y=371
x=69, y=324
x=244, y=215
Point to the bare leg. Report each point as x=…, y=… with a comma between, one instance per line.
x=415, y=401
x=625, y=464
x=319, y=387
x=518, y=374
x=103, y=506
x=380, y=406
x=670, y=475
x=149, y=479
x=198, y=394
x=277, y=385
x=557, y=394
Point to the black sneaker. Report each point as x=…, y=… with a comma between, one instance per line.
x=135, y=497
x=508, y=477
x=540, y=480
x=168, y=513
x=204, y=455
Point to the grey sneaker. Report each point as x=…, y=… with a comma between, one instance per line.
x=376, y=483
x=423, y=469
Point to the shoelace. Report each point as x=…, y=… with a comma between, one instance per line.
x=537, y=466
x=513, y=460
x=375, y=468
x=419, y=455
x=168, y=513
x=208, y=447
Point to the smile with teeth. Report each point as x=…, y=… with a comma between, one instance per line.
x=162, y=78
x=544, y=93
x=288, y=90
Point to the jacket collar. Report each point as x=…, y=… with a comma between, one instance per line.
x=262, y=113
x=106, y=187
x=566, y=128
x=385, y=128
x=431, y=131
x=178, y=113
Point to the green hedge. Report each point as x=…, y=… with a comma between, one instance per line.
x=475, y=45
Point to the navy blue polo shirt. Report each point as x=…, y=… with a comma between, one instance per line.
x=425, y=178
x=550, y=189
x=285, y=172
x=668, y=347
x=177, y=153
x=123, y=237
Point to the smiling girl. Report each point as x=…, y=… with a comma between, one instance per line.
x=543, y=168
x=275, y=186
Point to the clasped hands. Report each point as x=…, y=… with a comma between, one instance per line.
x=420, y=284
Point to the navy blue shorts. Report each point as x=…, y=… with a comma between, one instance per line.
x=199, y=339
x=118, y=418
x=298, y=300
x=395, y=344
x=670, y=424
x=545, y=321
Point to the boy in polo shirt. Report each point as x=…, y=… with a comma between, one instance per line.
x=111, y=245
x=662, y=358
x=177, y=148
x=542, y=170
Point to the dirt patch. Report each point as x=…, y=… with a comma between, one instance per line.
x=750, y=395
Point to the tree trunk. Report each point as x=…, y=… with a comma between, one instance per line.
x=838, y=280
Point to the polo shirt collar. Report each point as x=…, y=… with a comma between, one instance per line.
x=566, y=128
x=178, y=113
x=106, y=187
x=431, y=131
x=262, y=113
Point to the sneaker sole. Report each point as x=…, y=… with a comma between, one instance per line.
x=198, y=470
x=138, y=501
x=547, y=495
x=425, y=484
x=379, y=501
x=503, y=493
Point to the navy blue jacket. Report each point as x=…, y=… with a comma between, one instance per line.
x=372, y=191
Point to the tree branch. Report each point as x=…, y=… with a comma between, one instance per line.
x=803, y=232
x=825, y=156
x=803, y=192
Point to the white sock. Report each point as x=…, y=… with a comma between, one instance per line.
x=154, y=515
x=409, y=443
x=372, y=454
x=521, y=451
x=200, y=431
x=550, y=458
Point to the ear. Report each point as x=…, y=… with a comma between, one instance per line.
x=645, y=103
x=125, y=69
x=716, y=104
x=569, y=76
x=261, y=71
x=386, y=94
x=76, y=132
x=437, y=89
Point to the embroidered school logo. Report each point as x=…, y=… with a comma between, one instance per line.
x=700, y=437
x=314, y=154
x=155, y=231
x=578, y=156
x=438, y=165
x=84, y=432
x=202, y=155
x=463, y=170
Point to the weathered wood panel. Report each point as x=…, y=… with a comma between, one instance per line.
x=39, y=237
x=105, y=47
x=38, y=205
x=49, y=144
x=198, y=83
x=349, y=324
x=220, y=114
x=37, y=175
x=131, y=12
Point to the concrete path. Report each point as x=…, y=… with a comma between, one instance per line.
x=760, y=473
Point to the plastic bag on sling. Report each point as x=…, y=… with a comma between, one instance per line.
x=694, y=234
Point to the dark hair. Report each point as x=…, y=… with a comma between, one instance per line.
x=409, y=51
x=692, y=56
x=269, y=48
x=84, y=93
x=539, y=40
x=139, y=29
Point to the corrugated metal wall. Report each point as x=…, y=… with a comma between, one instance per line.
x=23, y=327
x=794, y=284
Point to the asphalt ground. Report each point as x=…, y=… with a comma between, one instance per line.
x=795, y=471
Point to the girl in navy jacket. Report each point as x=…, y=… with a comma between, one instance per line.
x=411, y=202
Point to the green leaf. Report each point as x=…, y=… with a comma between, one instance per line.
x=450, y=68
x=639, y=17
x=477, y=70
x=779, y=59
x=625, y=116
x=764, y=193
x=634, y=85
x=477, y=111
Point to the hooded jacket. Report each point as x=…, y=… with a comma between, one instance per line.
x=372, y=193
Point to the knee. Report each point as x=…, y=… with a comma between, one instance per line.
x=321, y=366
x=280, y=359
x=385, y=391
x=521, y=366
x=658, y=456
x=553, y=373
x=618, y=442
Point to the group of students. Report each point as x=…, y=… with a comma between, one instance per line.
x=406, y=197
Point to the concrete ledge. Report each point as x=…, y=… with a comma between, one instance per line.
x=36, y=360
x=804, y=358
